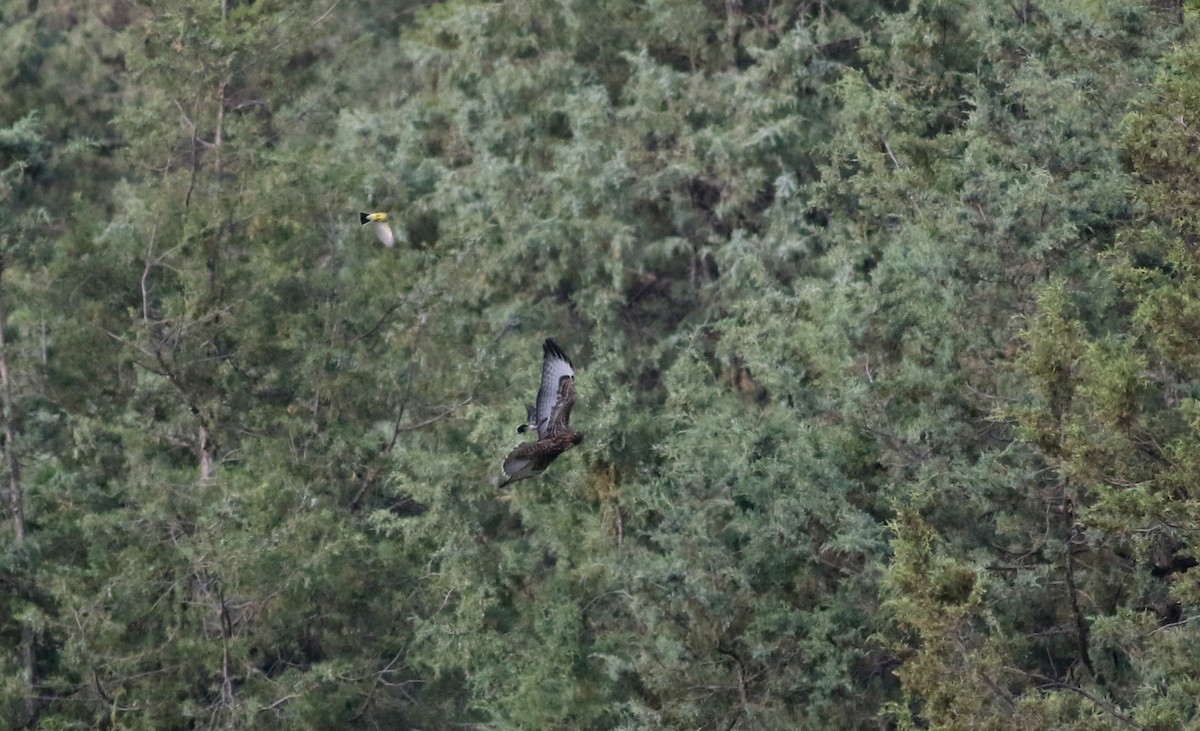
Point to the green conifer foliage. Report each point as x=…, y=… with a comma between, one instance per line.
x=954, y=214
x=24, y=152
x=886, y=378
x=1114, y=419
x=243, y=395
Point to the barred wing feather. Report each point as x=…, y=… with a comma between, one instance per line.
x=551, y=416
x=556, y=395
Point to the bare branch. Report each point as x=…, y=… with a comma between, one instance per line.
x=1102, y=704
x=146, y=273
x=280, y=702
x=447, y=413
x=891, y=154
x=371, y=330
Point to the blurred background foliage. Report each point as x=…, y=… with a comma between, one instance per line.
x=884, y=316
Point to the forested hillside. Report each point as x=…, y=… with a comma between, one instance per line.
x=885, y=316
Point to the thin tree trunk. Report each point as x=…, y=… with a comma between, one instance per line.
x=214, y=249
x=219, y=134
x=206, y=457
x=16, y=495
x=214, y=259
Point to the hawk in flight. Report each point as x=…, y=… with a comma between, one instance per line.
x=550, y=417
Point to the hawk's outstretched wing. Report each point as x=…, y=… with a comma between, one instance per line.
x=556, y=395
x=551, y=416
x=532, y=458
x=527, y=460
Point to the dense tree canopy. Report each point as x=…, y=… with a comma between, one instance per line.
x=884, y=317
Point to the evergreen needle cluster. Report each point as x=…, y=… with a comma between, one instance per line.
x=888, y=313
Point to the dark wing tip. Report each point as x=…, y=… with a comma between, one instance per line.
x=551, y=350
x=363, y=218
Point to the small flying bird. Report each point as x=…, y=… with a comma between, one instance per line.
x=550, y=417
x=383, y=229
